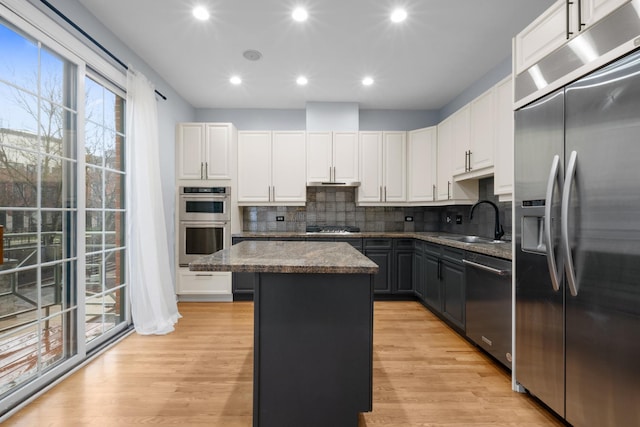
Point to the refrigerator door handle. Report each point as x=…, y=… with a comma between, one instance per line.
x=551, y=256
x=566, y=195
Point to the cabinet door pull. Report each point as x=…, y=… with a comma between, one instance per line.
x=569, y=32
x=334, y=174
x=381, y=193
x=206, y=170
x=448, y=190
x=580, y=23
x=469, y=155
x=201, y=169
x=385, y=193
x=433, y=193
x=330, y=174
x=204, y=275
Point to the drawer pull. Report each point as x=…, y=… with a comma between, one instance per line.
x=487, y=268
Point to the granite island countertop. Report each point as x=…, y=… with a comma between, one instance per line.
x=500, y=250
x=287, y=257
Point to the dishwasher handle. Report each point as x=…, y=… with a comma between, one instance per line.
x=487, y=268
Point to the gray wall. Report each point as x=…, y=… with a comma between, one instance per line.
x=499, y=72
x=175, y=109
x=255, y=118
x=274, y=119
x=399, y=120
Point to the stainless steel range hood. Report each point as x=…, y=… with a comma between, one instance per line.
x=333, y=184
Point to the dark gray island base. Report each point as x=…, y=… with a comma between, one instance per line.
x=313, y=330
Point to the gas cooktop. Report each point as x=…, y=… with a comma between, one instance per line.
x=332, y=229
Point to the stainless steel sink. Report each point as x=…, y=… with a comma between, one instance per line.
x=472, y=239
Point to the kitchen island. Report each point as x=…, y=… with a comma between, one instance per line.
x=313, y=329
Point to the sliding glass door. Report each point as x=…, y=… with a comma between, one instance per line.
x=62, y=185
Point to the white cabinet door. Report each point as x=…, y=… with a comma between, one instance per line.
x=254, y=166
x=217, y=151
x=541, y=37
x=288, y=172
x=394, y=166
x=370, y=189
x=319, y=156
x=503, y=175
x=345, y=157
x=445, y=168
x=595, y=10
x=482, y=131
x=190, y=139
x=422, y=147
x=460, y=123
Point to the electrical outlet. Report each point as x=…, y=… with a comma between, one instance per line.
x=448, y=218
x=280, y=218
x=408, y=218
x=458, y=219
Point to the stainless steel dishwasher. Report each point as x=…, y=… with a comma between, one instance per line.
x=488, y=305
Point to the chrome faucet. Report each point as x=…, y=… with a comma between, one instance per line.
x=499, y=231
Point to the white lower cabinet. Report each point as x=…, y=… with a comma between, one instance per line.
x=203, y=282
x=271, y=168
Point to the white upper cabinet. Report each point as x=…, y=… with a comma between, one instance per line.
x=394, y=160
x=595, y=10
x=552, y=29
x=319, y=156
x=345, y=157
x=445, y=164
x=254, y=166
x=332, y=157
x=288, y=172
x=483, y=129
x=271, y=168
x=448, y=190
x=472, y=134
x=382, y=168
x=461, y=139
x=370, y=189
x=422, y=151
x=503, y=174
x=203, y=151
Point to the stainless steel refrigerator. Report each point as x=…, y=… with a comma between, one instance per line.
x=577, y=247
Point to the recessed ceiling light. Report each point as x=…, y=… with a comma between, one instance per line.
x=201, y=13
x=367, y=81
x=235, y=80
x=252, y=55
x=300, y=14
x=398, y=15
x=302, y=80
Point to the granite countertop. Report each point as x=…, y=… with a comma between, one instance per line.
x=499, y=250
x=287, y=257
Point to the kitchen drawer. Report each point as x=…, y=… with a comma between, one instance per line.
x=432, y=249
x=203, y=282
x=356, y=242
x=453, y=255
x=403, y=243
x=378, y=243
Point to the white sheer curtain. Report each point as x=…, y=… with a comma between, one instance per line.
x=153, y=300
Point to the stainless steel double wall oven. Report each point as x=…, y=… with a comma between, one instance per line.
x=204, y=222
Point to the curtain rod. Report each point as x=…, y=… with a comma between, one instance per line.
x=94, y=41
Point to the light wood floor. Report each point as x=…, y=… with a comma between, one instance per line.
x=201, y=375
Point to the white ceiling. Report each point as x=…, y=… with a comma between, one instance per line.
x=423, y=63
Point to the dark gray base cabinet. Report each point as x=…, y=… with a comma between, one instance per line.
x=403, y=267
x=380, y=251
x=439, y=282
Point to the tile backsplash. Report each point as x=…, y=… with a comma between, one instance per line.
x=336, y=206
